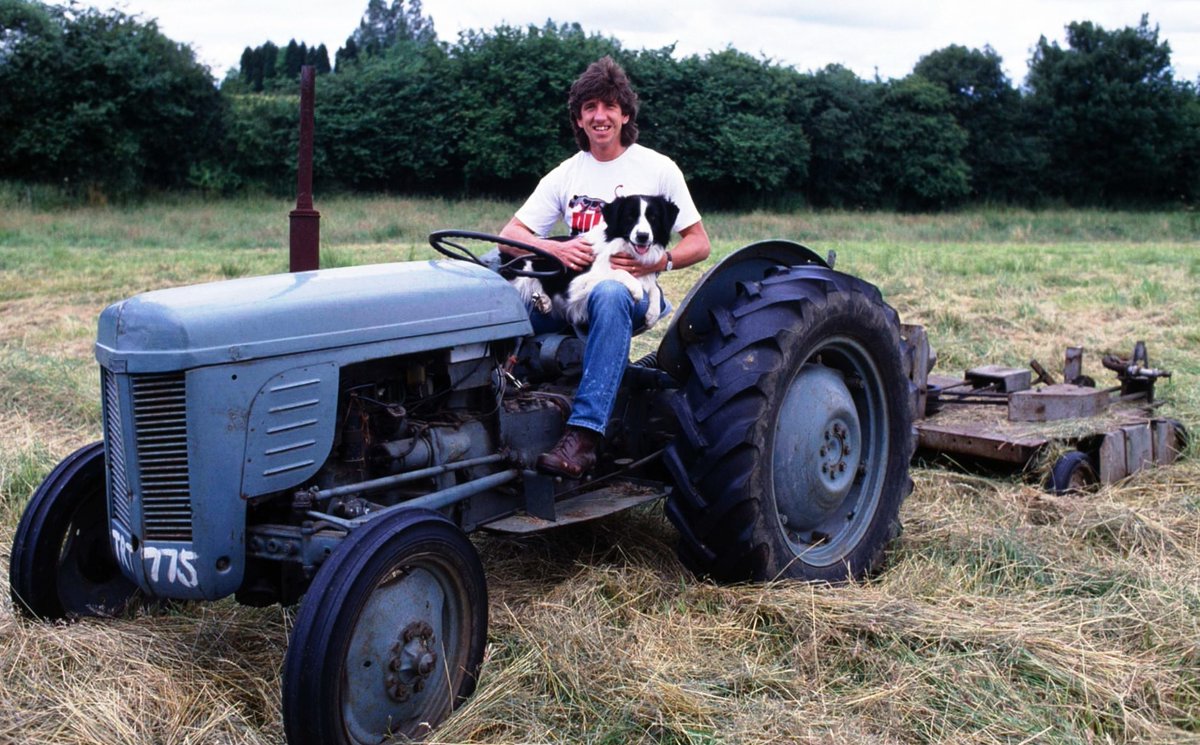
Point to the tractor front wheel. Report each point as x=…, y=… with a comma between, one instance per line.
x=62, y=562
x=390, y=635
x=796, y=432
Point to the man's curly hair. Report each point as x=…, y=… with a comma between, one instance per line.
x=605, y=80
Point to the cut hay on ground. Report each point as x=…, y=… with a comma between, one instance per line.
x=1005, y=614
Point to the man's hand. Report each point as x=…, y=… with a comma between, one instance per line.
x=635, y=267
x=576, y=254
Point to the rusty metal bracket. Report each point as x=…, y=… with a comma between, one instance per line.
x=1136, y=376
x=1043, y=375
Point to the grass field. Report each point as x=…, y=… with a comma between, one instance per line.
x=1005, y=614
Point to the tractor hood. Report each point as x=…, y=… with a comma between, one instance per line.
x=259, y=317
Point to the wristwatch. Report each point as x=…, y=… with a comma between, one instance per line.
x=670, y=263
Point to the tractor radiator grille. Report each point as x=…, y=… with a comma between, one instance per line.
x=160, y=424
x=114, y=447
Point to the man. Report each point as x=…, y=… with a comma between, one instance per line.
x=603, y=109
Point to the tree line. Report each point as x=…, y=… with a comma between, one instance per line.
x=267, y=67
x=103, y=100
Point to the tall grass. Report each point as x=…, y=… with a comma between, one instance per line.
x=1005, y=614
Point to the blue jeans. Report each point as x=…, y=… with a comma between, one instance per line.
x=612, y=317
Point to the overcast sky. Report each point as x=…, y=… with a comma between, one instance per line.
x=868, y=36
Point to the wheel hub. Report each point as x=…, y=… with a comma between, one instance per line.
x=835, y=455
x=413, y=660
x=817, y=450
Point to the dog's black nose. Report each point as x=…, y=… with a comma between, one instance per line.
x=641, y=238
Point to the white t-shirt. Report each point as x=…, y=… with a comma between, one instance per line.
x=575, y=191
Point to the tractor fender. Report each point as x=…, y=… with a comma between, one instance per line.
x=718, y=288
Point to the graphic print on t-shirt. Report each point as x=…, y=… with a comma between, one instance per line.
x=584, y=212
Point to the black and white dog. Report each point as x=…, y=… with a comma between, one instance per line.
x=638, y=225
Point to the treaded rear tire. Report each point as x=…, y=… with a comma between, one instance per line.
x=803, y=358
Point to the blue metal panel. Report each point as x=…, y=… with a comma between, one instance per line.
x=232, y=410
x=257, y=317
x=291, y=428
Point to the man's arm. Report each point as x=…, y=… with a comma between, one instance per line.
x=575, y=253
x=693, y=247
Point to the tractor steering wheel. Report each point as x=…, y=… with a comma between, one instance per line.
x=442, y=243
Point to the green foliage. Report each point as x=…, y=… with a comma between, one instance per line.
x=269, y=68
x=105, y=104
x=383, y=26
x=393, y=123
x=347, y=55
x=318, y=58
x=918, y=146
x=837, y=108
x=267, y=63
x=1118, y=127
x=293, y=58
x=749, y=141
x=103, y=101
x=262, y=140
x=1003, y=152
x=512, y=106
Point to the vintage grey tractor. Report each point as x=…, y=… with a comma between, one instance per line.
x=332, y=437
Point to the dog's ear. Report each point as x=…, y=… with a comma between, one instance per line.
x=664, y=220
x=672, y=212
x=610, y=210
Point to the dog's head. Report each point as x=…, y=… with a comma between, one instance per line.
x=642, y=221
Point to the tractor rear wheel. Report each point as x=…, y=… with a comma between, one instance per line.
x=796, y=432
x=390, y=634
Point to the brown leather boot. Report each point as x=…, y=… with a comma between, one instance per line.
x=573, y=455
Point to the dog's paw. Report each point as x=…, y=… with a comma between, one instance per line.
x=542, y=303
x=634, y=286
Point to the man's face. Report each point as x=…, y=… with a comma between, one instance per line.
x=602, y=122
